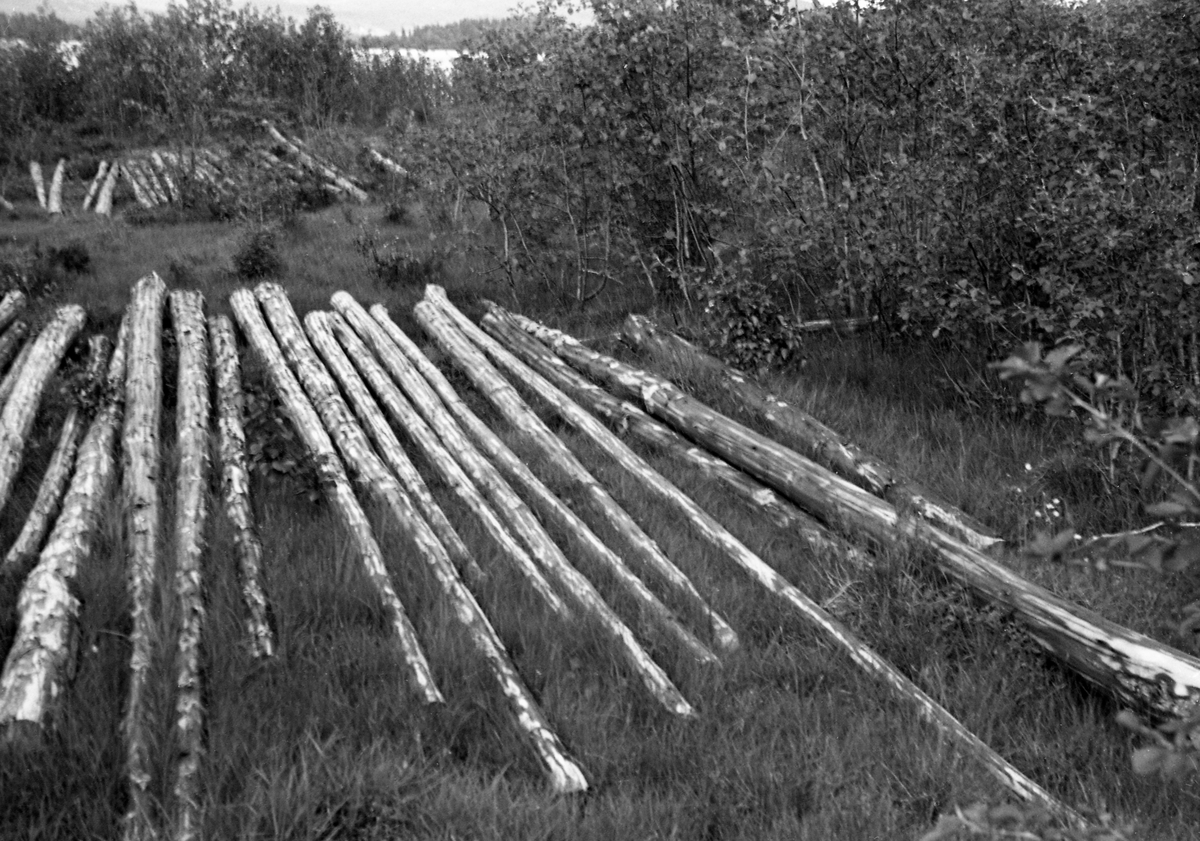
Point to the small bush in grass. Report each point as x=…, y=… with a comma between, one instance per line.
x=38, y=272
x=397, y=266
x=257, y=255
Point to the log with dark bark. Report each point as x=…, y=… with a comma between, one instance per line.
x=437, y=393
x=29, y=381
x=627, y=418
x=54, y=482
x=471, y=468
x=10, y=307
x=235, y=485
x=336, y=486
x=1136, y=670
x=141, y=463
x=11, y=342
x=40, y=662
x=564, y=775
x=192, y=411
x=815, y=439
x=466, y=344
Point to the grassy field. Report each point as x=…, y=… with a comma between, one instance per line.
x=792, y=742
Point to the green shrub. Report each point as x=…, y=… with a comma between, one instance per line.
x=257, y=255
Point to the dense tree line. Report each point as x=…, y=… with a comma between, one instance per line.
x=444, y=36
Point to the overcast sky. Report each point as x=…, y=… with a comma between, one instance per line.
x=358, y=16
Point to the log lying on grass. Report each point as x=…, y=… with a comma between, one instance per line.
x=1138, y=671
x=385, y=163
x=11, y=306
x=853, y=324
x=456, y=335
x=565, y=776
x=94, y=187
x=336, y=486
x=819, y=442
x=39, y=185
x=104, y=202
x=320, y=331
x=459, y=452
x=141, y=471
x=430, y=402
x=150, y=176
x=235, y=485
x=29, y=381
x=10, y=378
x=191, y=515
x=141, y=191
x=54, y=200
x=11, y=341
x=322, y=169
x=54, y=482
x=42, y=656
x=164, y=174
x=500, y=325
x=628, y=418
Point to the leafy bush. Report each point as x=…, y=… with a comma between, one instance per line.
x=397, y=266
x=257, y=254
x=38, y=272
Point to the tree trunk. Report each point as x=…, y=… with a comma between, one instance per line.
x=628, y=418
x=316, y=166
x=191, y=516
x=141, y=474
x=50, y=493
x=11, y=306
x=549, y=505
x=39, y=184
x=104, y=201
x=564, y=774
x=54, y=200
x=235, y=485
x=336, y=486
x=11, y=342
x=42, y=657
x=1135, y=669
x=470, y=467
x=28, y=383
x=819, y=442
x=447, y=326
x=97, y=180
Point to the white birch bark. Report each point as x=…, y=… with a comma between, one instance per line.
x=39, y=184
x=94, y=187
x=104, y=202
x=54, y=200
x=11, y=342
x=11, y=306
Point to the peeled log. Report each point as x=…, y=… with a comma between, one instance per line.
x=430, y=404
x=10, y=378
x=150, y=177
x=819, y=442
x=1138, y=671
x=320, y=330
x=28, y=384
x=42, y=657
x=629, y=419
x=191, y=514
x=316, y=166
x=235, y=485
x=386, y=163
x=58, y=473
x=160, y=168
x=140, y=191
x=449, y=328
x=39, y=185
x=470, y=467
x=10, y=307
x=97, y=180
x=336, y=485
x=54, y=200
x=10, y=346
x=141, y=463
x=564, y=774
x=104, y=201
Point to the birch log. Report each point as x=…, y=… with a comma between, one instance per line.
x=565, y=776
x=11, y=342
x=385, y=163
x=235, y=485
x=336, y=486
x=819, y=442
x=504, y=328
x=54, y=200
x=94, y=187
x=40, y=662
x=140, y=191
x=150, y=177
x=191, y=515
x=39, y=185
x=629, y=419
x=455, y=333
x=164, y=174
x=433, y=396
x=28, y=383
x=367, y=409
x=854, y=324
x=11, y=306
x=316, y=166
x=141, y=471
x=10, y=378
x=104, y=202
x=54, y=482
x=470, y=467
x=1138, y=671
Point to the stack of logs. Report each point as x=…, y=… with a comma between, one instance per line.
x=349, y=379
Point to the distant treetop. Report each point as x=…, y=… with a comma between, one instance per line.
x=445, y=36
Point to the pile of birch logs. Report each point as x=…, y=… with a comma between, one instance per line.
x=350, y=380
